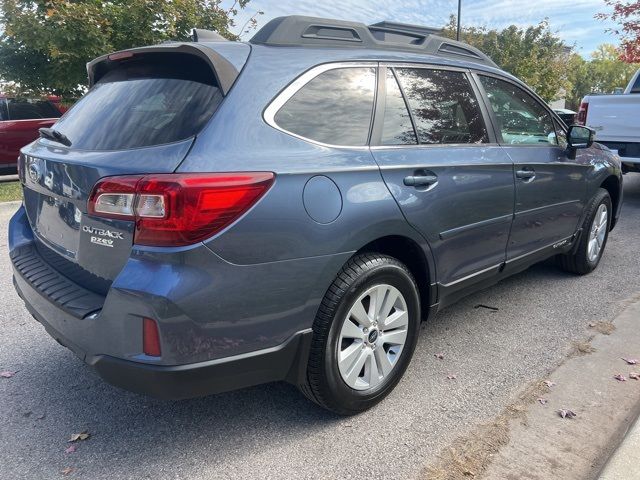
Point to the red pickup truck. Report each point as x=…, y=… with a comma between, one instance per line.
x=20, y=119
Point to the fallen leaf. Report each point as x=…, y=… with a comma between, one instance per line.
x=79, y=436
x=67, y=471
x=634, y=376
x=620, y=377
x=70, y=449
x=439, y=356
x=7, y=374
x=543, y=401
x=451, y=376
x=630, y=361
x=549, y=383
x=564, y=413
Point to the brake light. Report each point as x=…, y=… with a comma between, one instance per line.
x=179, y=208
x=150, y=338
x=582, y=113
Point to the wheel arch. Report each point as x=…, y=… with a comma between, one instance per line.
x=612, y=185
x=413, y=255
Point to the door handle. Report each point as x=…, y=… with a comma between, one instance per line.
x=526, y=174
x=420, y=180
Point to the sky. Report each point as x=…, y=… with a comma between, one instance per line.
x=572, y=20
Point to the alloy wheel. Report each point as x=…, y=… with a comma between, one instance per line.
x=372, y=337
x=597, y=233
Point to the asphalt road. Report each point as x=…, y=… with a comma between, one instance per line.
x=272, y=431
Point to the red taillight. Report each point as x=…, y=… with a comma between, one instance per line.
x=178, y=209
x=150, y=338
x=582, y=113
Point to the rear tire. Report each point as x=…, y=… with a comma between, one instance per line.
x=364, y=334
x=595, y=233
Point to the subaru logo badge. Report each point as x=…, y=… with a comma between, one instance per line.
x=33, y=169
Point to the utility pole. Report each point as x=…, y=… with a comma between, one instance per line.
x=459, y=13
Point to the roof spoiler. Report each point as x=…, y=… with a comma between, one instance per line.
x=297, y=30
x=223, y=70
x=202, y=35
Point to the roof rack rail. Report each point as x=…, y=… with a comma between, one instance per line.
x=298, y=30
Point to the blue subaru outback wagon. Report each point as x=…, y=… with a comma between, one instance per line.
x=214, y=215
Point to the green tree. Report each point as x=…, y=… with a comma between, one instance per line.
x=602, y=73
x=535, y=54
x=45, y=44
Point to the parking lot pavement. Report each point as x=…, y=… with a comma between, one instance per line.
x=272, y=431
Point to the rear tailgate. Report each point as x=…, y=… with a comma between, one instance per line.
x=57, y=184
x=141, y=117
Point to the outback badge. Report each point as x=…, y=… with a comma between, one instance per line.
x=101, y=236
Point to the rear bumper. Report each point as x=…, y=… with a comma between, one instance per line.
x=212, y=339
x=285, y=362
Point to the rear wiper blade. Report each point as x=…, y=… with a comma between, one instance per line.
x=55, y=135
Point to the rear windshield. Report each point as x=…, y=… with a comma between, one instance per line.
x=148, y=100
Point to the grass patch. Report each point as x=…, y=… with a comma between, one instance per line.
x=605, y=328
x=10, y=191
x=579, y=348
x=470, y=455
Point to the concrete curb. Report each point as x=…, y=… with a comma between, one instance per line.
x=623, y=464
x=9, y=207
x=546, y=446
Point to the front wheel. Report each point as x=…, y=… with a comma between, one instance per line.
x=595, y=232
x=364, y=334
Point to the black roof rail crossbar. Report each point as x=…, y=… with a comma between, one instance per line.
x=298, y=30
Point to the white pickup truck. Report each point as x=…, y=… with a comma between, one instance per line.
x=616, y=120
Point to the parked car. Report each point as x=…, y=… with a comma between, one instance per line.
x=20, y=119
x=214, y=215
x=616, y=120
x=567, y=116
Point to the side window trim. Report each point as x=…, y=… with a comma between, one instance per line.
x=380, y=104
x=299, y=82
x=380, y=108
x=406, y=104
x=485, y=99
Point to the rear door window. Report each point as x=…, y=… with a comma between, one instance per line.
x=444, y=106
x=151, y=99
x=333, y=108
x=28, y=109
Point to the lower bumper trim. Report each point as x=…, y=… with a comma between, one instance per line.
x=283, y=362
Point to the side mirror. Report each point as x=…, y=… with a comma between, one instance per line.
x=580, y=137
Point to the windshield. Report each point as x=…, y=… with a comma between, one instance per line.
x=146, y=101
